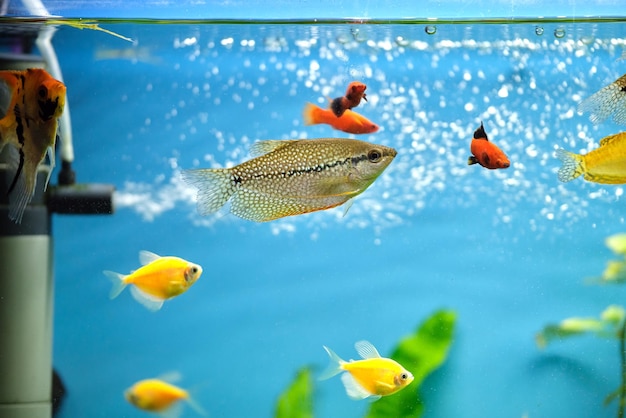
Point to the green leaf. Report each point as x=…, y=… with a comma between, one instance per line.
x=297, y=400
x=420, y=353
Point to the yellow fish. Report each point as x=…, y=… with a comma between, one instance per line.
x=373, y=377
x=606, y=165
x=608, y=101
x=291, y=177
x=31, y=102
x=159, y=279
x=156, y=395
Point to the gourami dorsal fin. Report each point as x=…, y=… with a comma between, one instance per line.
x=366, y=350
x=265, y=147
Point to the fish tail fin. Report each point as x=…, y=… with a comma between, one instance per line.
x=215, y=187
x=310, y=114
x=573, y=165
x=119, y=284
x=23, y=184
x=472, y=160
x=334, y=367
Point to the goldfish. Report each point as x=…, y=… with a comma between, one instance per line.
x=354, y=94
x=608, y=101
x=31, y=102
x=159, y=279
x=606, y=164
x=291, y=177
x=157, y=395
x=350, y=122
x=373, y=377
x=486, y=153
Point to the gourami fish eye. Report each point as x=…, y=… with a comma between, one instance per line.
x=374, y=155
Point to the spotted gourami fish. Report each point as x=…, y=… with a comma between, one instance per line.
x=354, y=94
x=31, y=101
x=606, y=164
x=608, y=101
x=350, y=121
x=156, y=395
x=486, y=153
x=291, y=177
x=373, y=377
x=159, y=279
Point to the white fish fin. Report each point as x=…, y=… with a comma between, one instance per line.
x=196, y=406
x=215, y=187
x=348, y=206
x=608, y=101
x=265, y=147
x=572, y=165
x=146, y=257
x=353, y=389
x=119, y=284
x=334, y=367
x=23, y=181
x=174, y=411
x=149, y=301
x=171, y=377
x=366, y=349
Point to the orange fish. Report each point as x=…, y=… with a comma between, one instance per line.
x=354, y=94
x=350, y=122
x=486, y=153
x=31, y=102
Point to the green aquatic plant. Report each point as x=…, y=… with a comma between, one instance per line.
x=420, y=353
x=297, y=400
x=611, y=323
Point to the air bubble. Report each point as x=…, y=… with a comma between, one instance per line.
x=538, y=30
x=559, y=32
x=431, y=29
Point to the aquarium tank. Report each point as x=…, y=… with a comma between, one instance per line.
x=243, y=188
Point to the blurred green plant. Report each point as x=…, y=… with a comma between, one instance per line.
x=297, y=400
x=420, y=353
x=610, y=324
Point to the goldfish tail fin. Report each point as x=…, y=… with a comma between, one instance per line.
x=472, y=160
x=119, y=284
x=573, y=165
x=215, y=187
x=150, y=302
x=334, y=367
x=22, y=187
x=309, y=114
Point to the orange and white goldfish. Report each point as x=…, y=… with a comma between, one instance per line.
x=159, y=279
x=608, y=101
x=606, y=164
x=373, y=377
x=354, y=94
x=350, y=121
x=156, y=395
x=291, y=177
x=486, y=153
x=31, y=102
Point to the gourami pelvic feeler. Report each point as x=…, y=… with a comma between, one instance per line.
x=31, y=102
x=373, y=377
x=606, y=164
x=159, y=279
x=291, y=177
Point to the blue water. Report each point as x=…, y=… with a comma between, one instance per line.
x=507, y=250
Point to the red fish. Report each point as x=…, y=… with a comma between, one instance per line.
x=350, y=122
x=354, y=94
x=486, y=153
x=31, y=102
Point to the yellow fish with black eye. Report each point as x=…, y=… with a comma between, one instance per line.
x=159, y=279
x=606, y=164
x=31, y=102
x=373, y=377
